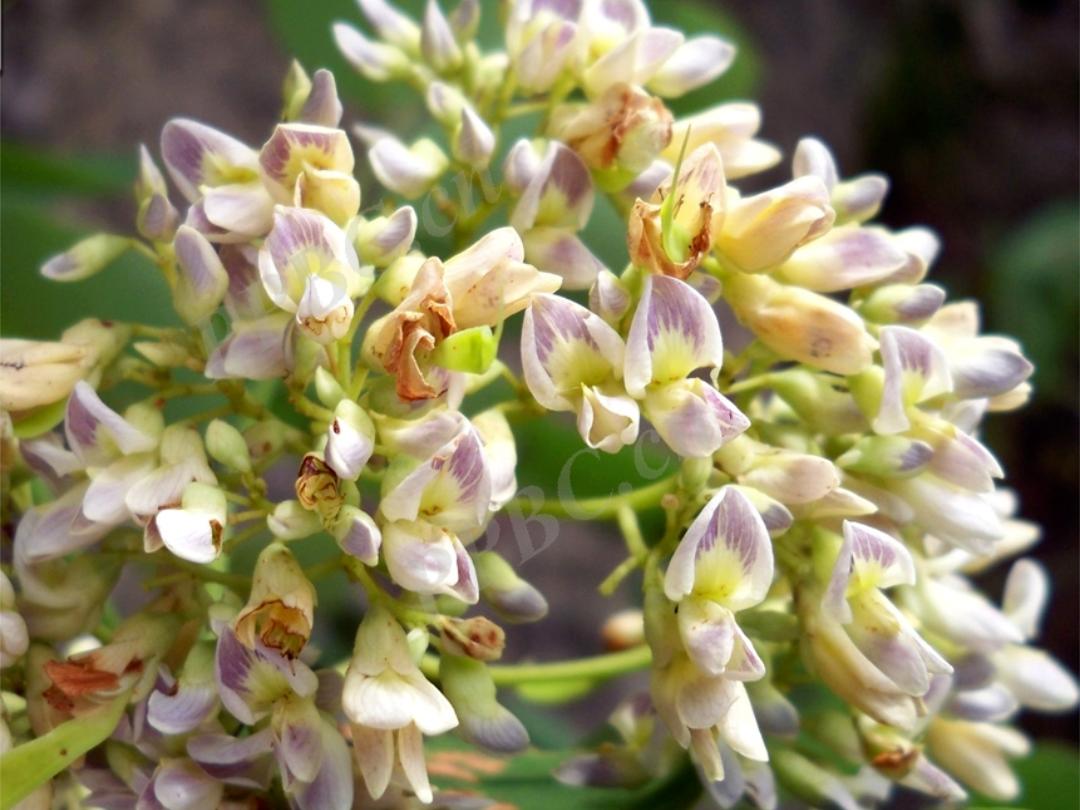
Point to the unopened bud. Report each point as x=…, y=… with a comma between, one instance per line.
x=86, y=258
x=377, y=61
x=513, y=598
x=350, y=440
x=478, y=638
x=357, y=534
x=226, y=445
x=281, y=607
x=468, y=686
x=887, y=456
x=317, y=487
x=384, y=240
x=438, y=44
x=902, y=303
x=294, y=91
x=265, y=439
x=624, y=630
x=889, y=751
x=291, y=521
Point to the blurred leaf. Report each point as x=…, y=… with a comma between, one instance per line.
x=525, y=781
x=34, y=307
x=29, y=171
x=1033, y=295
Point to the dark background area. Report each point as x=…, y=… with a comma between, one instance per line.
x=970, y=108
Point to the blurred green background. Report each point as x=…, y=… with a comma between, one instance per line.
x=970, y=108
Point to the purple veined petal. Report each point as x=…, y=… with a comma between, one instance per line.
x=196, y=218
x=254, y=351
x=452, y=489
x=563, y=254
x=693, y=418
x=545, y=56
x=609, y=298
x=915, y=370
x=196, y=155
x=868, y=558
x=244, y=298
x=846, y=257
x=180, y=784
x=1027, y=589
x=437, y=41
x=240, y=761
x=775, y=515
x=183, y=709
x=656, y=47
x=674, y=331
x=251, y=680
x=373, y=750
x=708, y=633
x=466, y=587
x=813, y=158
x=202, y=280
x=243, y=209
x=105, y=498
x=106, y=790
x=302, y=244
x=559, y=192
x=695, y=63
x=607, y=421
x=745, y=664
x=323, y=107
x=500, y=455
x=95, y=432
x=521, y=165
x=421, y=438
x=389, y=238
x=725, y=555
x=332, y=787
x=46, y=532
x=420, y=557
x=564, y=346
x=298, y=740
x=49, y=458
x=964, y=461
x=295, y=148
x=391, y=24
x=377, y=61
x=411, y=755
x=990, y=366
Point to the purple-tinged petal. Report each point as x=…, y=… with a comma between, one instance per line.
x=377, y=61
x=915, y=370
x=49, y=458
x=437, y=41
x=1027, y=589
x=358, y=535
x=521, y=165
x=674, y=332
x=391, y=24
x=251, y=680
x=105, y=498
x=564, y=346
x=238, y=210
x=180, y=784
x=254, y=351
x=845, y=257
x=559, y=192
x=956, y=516
x=475, y=142
x=1036, y=680
x=95, y=432
x=183, y=709
x=298, y=739
x=349, y=441
x=197, y=155
x=695, y=63
x=990, y=704
x=466, y=587
x=725, y=555
x=323, y=107
x=202, y=280
x=50, y=531
x=332, y=788
x=240, y=761
x=408, y=171
x=296, y=148
x=868, y=558
x=563, y=254
x=708, y=633
x=420, y=557
x=693, y=418
x=964, y=461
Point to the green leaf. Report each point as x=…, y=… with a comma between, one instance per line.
x=28, y=171
x=32, y=764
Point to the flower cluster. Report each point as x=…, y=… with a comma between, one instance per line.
x=808, y=614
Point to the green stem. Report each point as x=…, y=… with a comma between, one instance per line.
x=595, y=668
x=602, y=507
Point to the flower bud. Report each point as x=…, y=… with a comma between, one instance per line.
x=281, y=607
x=478, y=638
x=14, y=639
x=484, y=722
x=36, y=373
x=514, y=599
x=350, y=440
x=624, y=630
x=226, y=445
x=317, y=487
x=473, y=141
x=357, y=534
x=294, y=91
x=384, y=240
x=801, y=325
x=327, y=388
x=377, y=61
x=902, y=303
x=395, y=282
x=406, y=170
x=201, y=282
x=291, y=521
x=86, y=257
x=391, y=25
x=609, y=298
x=156, y=218
x=764, y=230
x=194, y=531
x=887, y=456
x=846, y=257
x=438, y=45
x=265, y=439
